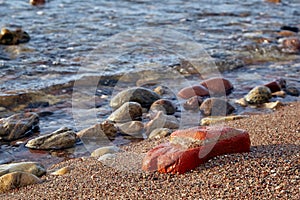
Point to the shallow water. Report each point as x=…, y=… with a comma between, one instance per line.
x=107, y=39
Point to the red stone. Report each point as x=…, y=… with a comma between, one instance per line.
x=196, y=90
x=273, y=86
x=177, y=158
x=218, y=85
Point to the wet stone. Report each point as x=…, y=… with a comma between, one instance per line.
x=18, y=126
x=164, y=105
x=8, y=37
x=274, y=86
x=129, y=111
x=258, y=95
x=29, y=167
x=218, y=86
x=193, y=103
x=143, y=96
x=61, y=139
x=162, y=121
x=196, y=90
x=293, y=91
x=216, y=107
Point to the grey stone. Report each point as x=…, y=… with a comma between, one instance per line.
x=162, y=121
x=163, y=105
x=133, y=128
x=104, y=150
x=129, y=111
x=18, y=126
x=60, y=139
x=216, y=107
x=143, y=96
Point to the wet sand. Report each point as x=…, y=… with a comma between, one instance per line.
x=269, y=171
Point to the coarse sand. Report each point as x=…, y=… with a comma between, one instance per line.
x=269, y=171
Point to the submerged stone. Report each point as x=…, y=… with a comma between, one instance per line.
x=218, y=86
x=18, y=126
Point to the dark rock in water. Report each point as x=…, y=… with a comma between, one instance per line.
x=293, y=91
x=259, y=95
x=290, y=44
x=8, y=37
x=61, y=139
x=37, y=2
x=18, y=126
x=290, y=28
x=143, y=96
x=218, y=86
x=129, y=111
x=216, y=107
x=163, y=105
x=193, y=103
x=196, y=90
x=281, y=82
x=274, y=86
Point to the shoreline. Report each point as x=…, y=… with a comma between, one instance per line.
x=270, y=170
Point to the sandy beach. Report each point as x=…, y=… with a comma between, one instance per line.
x=269, y=171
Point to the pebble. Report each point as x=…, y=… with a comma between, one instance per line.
x=193, y=103
x=218, y=86
x=258, y=95
x=280, y=93
x=17, y=179
x=104, y=150
x=273, y=105
x=143, y=96
x=196, y=90
x=18, y=126
x=164, y=105
x=162, y=121
x=62, y=171
x=129, y=111
x=216, y=107
x=159, y=133
x=60, y=139
x=134, y=129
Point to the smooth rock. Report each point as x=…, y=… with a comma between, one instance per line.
x=106, y=157
x=134, y=129
x=220, y=119
x=258, y=95
x=274, y=86
x=162, y=121
x=143, y=96
x=105, y=150
x=193, y=103
x=216, y=107
x=62, y=171
x=60, y=139
x=29, y=167
x=37, y=2
x=164, y=105
x=160, y=133
x=129, y=111
x=99, y=131
x=242, y=102
x=16, y=180
x=273, y=105
x=18, y=126
x=280, y=93
x=293, y=91
x=196, y=90
x=218, y=86
x=189, y=148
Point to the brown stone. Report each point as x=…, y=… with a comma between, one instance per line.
x=273, y=86
x=218, y=86
x=196, y=90
x=193, y=103
x=216, y=107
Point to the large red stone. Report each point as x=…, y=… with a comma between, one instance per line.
x=218, y=86
x=273, y=86
x=196, y=90
x=176, y=157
